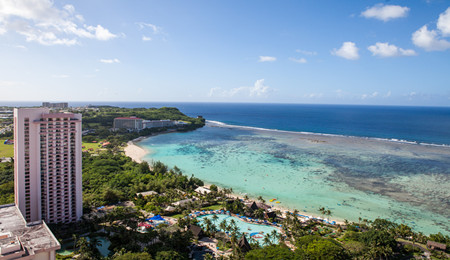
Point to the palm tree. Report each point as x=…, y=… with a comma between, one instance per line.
x=259, y=213
x=214, y=218
x=261, y=199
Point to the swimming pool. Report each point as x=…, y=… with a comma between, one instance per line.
x=252, y=231
x=103, y=248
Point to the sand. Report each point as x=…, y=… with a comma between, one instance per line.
x=136, y=153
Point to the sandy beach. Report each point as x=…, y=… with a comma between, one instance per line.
x=284, y=209
x=135, y=152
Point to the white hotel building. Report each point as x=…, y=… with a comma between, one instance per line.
x=47, y=165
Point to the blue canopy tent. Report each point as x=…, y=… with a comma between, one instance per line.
x=157, y=218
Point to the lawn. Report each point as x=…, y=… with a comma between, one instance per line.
x=213, y=207
x=88, y=146
x=6, y=150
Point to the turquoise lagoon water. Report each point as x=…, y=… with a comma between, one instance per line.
x=254, y=231
x=353, y=177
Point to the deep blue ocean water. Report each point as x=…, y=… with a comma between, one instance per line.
x=416, y=124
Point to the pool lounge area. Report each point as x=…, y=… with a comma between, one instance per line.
x=256, y=229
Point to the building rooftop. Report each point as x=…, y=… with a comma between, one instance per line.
x=129, y=118
x=21, y=239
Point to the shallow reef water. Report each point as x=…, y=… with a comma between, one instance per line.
x=354, y=177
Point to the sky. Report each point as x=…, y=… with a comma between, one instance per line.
x=291, y=51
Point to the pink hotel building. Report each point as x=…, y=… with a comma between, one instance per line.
x=47, y=165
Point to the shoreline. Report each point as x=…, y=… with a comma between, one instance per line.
x=135, y=152
x=283, y=209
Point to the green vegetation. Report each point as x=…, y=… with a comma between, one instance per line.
x=91, y=147
x=6, y=150
x=6, y=183
x=109, y=178
x=99, y=120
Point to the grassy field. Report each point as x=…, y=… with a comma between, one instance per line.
x=6, y=150
x=88, y=146
x=213, y=207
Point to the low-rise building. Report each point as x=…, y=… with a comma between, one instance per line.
x=182, y=203
x=157, y=123
x=22, y=240
x=55, y=105
x=202, y=190
x=147, y=193
x=130, y=123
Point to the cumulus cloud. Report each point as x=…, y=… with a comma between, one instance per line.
x=40, y=21
x=110, y=61
x=347, y=51
x=443, y=23
x=433, y=40
x=430, y=40
x=384, y=49
x=266, y=58
x=255, y=91
x=301, y=60
x=385, y=12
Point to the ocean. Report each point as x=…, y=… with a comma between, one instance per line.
x=358, y=161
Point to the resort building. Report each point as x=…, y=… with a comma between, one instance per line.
x=157, y=123
x=55, y=105
x=130, y=123
x=47, y=165
x=22, y=240
x=202, y=190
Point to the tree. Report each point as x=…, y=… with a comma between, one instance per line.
x=213, y=188
x=168, y=255
x=316, y=247
x=271, y=252
x=134, y=256
x=261, y=199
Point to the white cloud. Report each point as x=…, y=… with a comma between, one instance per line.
x=384, y=49
x=385, y=12
x=150, y=29
x=347, y=51
x=146, y=38
x=433, y=40
x=40, y=21
x=310, y=53
x=267, y=58
x=373, y=95
x=443, y=23
x=301, y=60
x=429, y=40
x=155, y=29
x=258, y=90
x=110, y=61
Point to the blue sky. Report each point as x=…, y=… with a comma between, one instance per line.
x=317, y=52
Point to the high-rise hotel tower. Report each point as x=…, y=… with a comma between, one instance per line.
x=47, y=165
